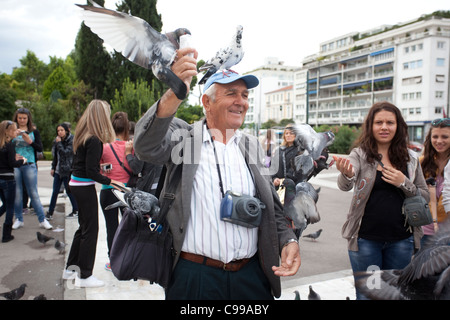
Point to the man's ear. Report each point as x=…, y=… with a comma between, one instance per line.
x=206, y=100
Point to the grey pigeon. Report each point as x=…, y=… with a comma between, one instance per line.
x=313, y=236
x=40, y=297
x=313, y=143
x=42, y=238
x=225, y=58
x=141, y=202
x=312, y=294
x=138, y=42
x=297, y=295
x=14, y=294
x=60, y=246
x=300, y=204
x=426, y=277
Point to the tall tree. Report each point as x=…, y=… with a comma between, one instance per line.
x=91, y=59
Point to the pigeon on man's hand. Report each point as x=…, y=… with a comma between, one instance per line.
x=14, y=294
x=313, y=236
x=42, y=238
x=138, y=42
x=225, y=58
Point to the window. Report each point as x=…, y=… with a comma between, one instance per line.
x=438, y=110
x=440, y=44
x=440, y=62
x=406, y=49
x=440, y=78
x=418, y=110
x=439, y=94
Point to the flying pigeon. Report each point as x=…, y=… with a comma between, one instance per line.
x=225, y=58
x=313, y=236
x=138, y=42
x=14, y=294
x=426, y=277
x=300, y=204
x=42, y=238
x=314, y=143
x=312, y=294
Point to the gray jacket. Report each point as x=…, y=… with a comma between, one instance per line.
x=365, y=174
x=171, y=141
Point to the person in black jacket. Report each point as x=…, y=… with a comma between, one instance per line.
x=8, y=131
x=93, y=130
x=62, y=151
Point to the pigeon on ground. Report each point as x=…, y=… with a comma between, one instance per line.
x=312, y=294
x=313, y=236
x=225, y=58
x=60, y=246
x=297, y=295
x=138, y=42
x=300, y=204
x=426, y=277
x=40, y=297
x=42, y=238
x=14, y=294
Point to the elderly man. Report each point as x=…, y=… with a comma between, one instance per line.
x=217, y=258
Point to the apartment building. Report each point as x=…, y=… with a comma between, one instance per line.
x=406, y=64
x=272, y=75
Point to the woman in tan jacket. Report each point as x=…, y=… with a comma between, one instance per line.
x=382, y=172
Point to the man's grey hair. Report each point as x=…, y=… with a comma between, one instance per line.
x=211, y=92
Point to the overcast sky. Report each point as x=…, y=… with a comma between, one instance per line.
x=287, y=29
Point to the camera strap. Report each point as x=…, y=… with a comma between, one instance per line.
x=218, y=167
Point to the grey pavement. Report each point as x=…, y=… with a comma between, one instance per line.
x=25, y=260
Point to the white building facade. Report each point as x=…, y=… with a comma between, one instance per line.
x=406, y=65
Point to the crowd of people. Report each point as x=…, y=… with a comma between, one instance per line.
x=223, y=258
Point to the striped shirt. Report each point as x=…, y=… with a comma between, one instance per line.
x=206, y=234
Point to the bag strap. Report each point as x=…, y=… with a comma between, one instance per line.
x=169, y=193
x=120, y=162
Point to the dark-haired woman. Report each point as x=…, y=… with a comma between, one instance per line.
x=382, y=172
x=62, y=151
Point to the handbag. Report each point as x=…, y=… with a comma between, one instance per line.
x=141, y=250
x=132, y=181
x=416, y=210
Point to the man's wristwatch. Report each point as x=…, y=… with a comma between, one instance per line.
x=290, y=241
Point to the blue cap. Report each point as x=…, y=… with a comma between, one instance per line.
x=227, y=76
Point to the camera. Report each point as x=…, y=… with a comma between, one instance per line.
x=241, y=209
x=107, y=166
x=23, y=131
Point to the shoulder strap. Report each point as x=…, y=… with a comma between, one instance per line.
x=120, y=162
x=169, y=193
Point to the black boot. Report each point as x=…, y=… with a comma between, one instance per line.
x=7, y=233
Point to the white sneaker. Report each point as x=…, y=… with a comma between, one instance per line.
x=91, y=282
x=68, y=274
x=17, y=224
x=46, y=225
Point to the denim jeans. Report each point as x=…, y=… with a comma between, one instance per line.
x=28, y=174
x=57, y=181
x=383, y=255
x=7, y=195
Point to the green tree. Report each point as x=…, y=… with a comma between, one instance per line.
x=190, y=114
x=30, y=76
x=59, y=82
x=134, y=98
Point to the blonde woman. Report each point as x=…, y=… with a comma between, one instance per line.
x=93, y=130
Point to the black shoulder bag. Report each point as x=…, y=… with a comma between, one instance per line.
x=144, y=250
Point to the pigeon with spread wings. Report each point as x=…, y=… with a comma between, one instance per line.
x=225, y=58
x=138, y=42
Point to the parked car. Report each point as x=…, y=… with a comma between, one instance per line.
x=415, y=146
